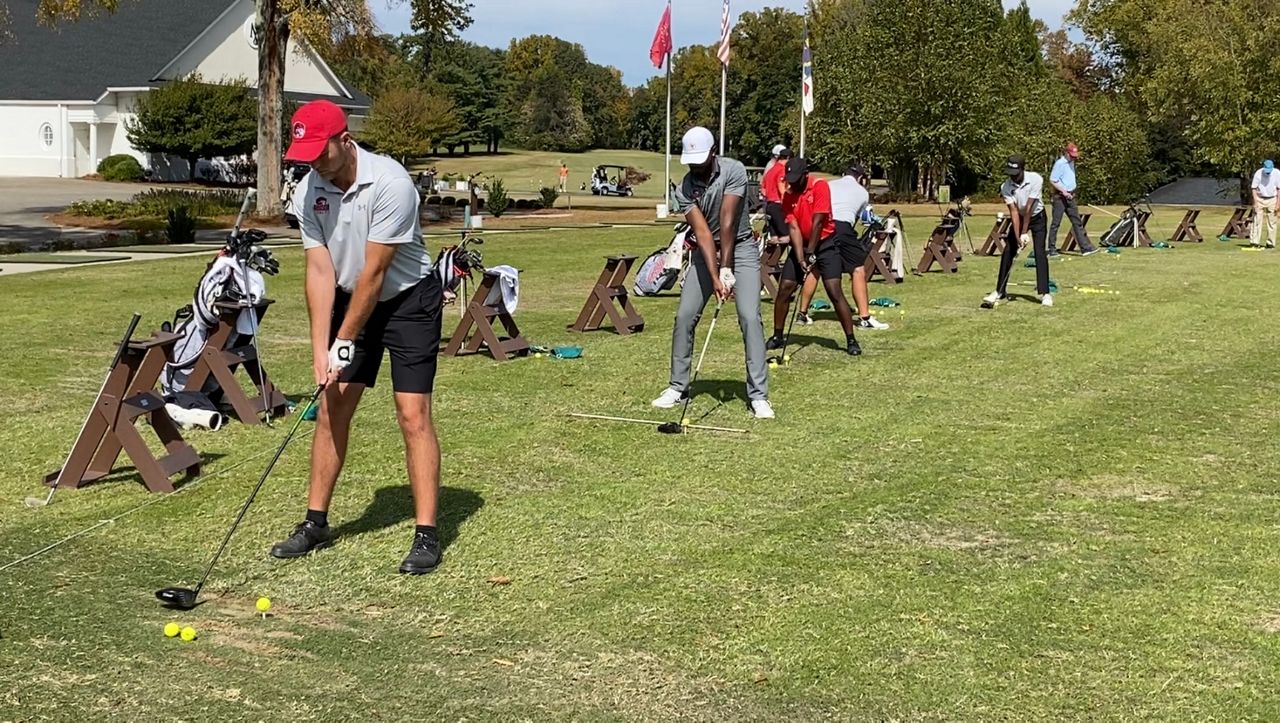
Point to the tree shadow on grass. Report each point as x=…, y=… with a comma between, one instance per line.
x=393, y=505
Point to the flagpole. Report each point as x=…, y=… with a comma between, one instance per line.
x=724, y=78
x=802, y=128
x=666, y=190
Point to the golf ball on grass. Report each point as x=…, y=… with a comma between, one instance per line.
x=263, y=604
x=786, y=359
x=773, y=364
x=171, y=630
x=188, y=633
x=684, y=422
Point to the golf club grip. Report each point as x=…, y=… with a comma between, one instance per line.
x=124, y=342
x=265, y=473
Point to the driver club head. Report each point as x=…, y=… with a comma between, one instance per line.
x=671, y=428
x=177, y=597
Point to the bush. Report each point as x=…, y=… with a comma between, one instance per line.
x=182, y=226
x=120, y=167
x=549, y=196
x=498, y=198
x=157, y=203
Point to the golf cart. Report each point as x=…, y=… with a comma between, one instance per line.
x=602, y=184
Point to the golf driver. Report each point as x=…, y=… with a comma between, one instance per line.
x=185, y=598
x=679, y=427
x=124, y=344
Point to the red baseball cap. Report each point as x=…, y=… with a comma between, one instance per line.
x=1072, y=151
x=312, y=127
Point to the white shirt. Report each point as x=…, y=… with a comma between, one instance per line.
x=848, y=198
x=1032, y=187
x=380, y=207
x=1266, y=184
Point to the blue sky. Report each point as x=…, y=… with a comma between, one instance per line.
x=618, y=32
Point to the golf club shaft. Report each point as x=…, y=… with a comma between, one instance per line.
x=244, y=210
x=705, y=343
x=653, y=423
x=265, y=473
x=124, y=344
x=786, y=341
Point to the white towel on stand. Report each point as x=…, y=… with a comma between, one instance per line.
x=508, y=285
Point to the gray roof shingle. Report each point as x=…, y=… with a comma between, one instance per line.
x=79, y=61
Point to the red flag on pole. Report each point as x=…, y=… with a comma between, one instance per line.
x=661, y=40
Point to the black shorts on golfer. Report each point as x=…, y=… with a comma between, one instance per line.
x=829, y=263
x=408, y=326
x=854, y=249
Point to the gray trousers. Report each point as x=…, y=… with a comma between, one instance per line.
x=1062, y=205
x=697, y=291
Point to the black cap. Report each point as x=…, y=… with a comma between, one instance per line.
x=784, y=153
x=856, y=170
x=1015, y=165
x=796, y=169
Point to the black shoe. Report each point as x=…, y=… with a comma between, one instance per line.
x=423, y=557
x=307, y=536
x=853, y=349
x=774, y=342
x=1052, y=253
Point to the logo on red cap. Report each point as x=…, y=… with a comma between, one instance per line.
x=299, y=130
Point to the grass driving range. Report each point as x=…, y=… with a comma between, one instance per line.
x=1023, y=513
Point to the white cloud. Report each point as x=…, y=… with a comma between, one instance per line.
x=618, y=32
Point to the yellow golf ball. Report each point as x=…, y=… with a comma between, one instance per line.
x=263, y=604
x=537, y=355
x=171, y=630
x=188, y=633
x=773, y=364
x=786, y=358
x=684, y=422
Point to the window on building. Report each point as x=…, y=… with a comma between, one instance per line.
x=46, y=135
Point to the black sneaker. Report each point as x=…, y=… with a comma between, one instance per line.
x=1052, y=253
x=423, y=557
x=307, y=536
x=853, y=349
x=774, y=342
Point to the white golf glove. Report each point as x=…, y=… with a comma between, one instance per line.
x=341, y=354
x=727, y=279
x=1025, y=239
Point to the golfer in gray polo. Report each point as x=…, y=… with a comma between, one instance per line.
x=726, y=260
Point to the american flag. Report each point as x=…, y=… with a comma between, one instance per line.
x=806, y=75
x=723, y=52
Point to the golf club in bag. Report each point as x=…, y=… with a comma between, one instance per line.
x=679, y=427
x=124, y=344
x=185, y=598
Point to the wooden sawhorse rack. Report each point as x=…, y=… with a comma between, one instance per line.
x=1187, y=230
x=479, y=315
x=609, y=296
x=224, y=352
x=1240, y=225
x=1000, y=232
x=880, y=261
x=129, y=394
x=941, y=248
x=1072, y=243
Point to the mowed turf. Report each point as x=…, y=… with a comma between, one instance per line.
x=1024, y=513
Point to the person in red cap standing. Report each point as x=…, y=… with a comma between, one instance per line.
x=370, y=287
x=1063, y=179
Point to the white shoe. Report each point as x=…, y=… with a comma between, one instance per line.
x=668, y=399
x=1046, y=300
x=760, y=409
x=993, y=297
x=871, y=323
x=803, y=319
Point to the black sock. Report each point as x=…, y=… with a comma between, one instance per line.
x=318, y=518
x=428, y=530
x=849, y=338
x=777, y=332
x=868, y=316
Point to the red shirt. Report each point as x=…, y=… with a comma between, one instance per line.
x=800, y=207
x=771, y=184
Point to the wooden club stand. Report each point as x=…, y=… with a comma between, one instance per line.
x=609, y=296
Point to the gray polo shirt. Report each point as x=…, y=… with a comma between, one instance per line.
x=1018, y=194
x=728, y=179
x=380, y=207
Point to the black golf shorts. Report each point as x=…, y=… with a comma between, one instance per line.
x=776, y=220
x=829, y=264
x=408, y=326
x=853, y=249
